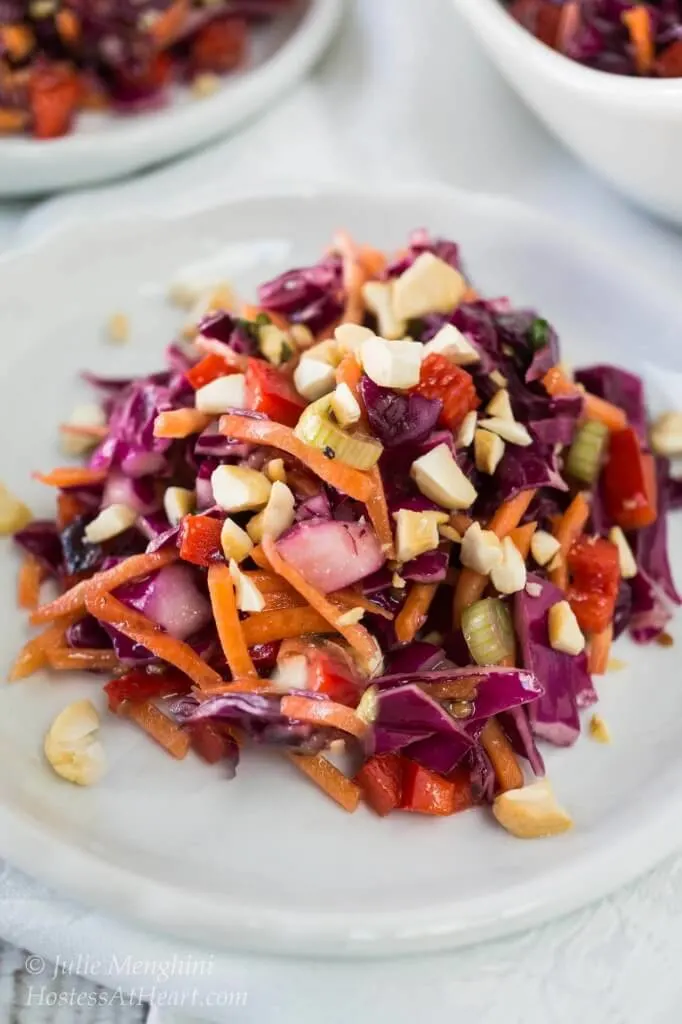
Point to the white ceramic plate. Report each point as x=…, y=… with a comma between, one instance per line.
x=265, y=862
x=104, y=146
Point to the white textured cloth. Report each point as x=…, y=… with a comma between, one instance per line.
x=404, y=94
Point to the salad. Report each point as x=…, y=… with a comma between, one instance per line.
x=59, y=57
x=372, y=521
x=623, y=37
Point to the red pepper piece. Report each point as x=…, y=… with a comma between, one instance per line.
x=595, y=579
x=138, y=685
x=54, y=95
x=426, y=792
x=210, y=744
x=441, y=379
x=669, y=63
x=381, y=782
x=220, y=45
x=210, y=368
x=269, y=392
x=629, y=479
x=200, y=540
x=540, y=17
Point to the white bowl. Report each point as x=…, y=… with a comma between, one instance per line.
x=629, y=130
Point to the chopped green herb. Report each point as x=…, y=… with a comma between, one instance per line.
x=538, y=334
x=263, y=320
x=286, y=352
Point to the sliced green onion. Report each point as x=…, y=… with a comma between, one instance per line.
x=585, y=454
x=318, y=428
x=488, y=631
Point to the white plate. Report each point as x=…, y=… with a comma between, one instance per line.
x=104, y=146
x=265, y=863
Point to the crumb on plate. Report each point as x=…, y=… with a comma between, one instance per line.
x=118, y=328
x=599, y=730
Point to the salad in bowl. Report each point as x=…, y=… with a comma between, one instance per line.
x=371, y=521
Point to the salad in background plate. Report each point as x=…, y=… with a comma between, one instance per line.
x=373, y=521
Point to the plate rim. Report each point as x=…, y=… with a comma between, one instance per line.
x=198, y=915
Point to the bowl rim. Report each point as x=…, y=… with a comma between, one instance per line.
x=489, y=18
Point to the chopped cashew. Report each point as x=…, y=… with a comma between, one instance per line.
x=564, y=632
x=481, y=549
x=498, y=379
x=351, y=617
x=351, y=336
x=508, y=430
x=87, y=415
x=450, y=533
x=488, y=450
x=439, y=478
x=109, y=523
x=378, y=297
x=71, y=745
x=301, y=335
x=274, y=470
x=397, y=582
x=327, y=351
x=238, y=489
x=543, y=547
x=499, y=406
x=14, y=515
x=430, y=285
x=531, y=812
x=214, y=299
x=455, y=346
x=626, y=559
x=467, y=430
x=509, y=575
x=345, y=405
x=248, y=596
x=118, y=328
x=666, y=434
x=222, y=394
x=599, y=730
x=274, y=343
x=314, y=379
x=178, y=502
x=417, y=532
x=276, y=517
x=234, y=541
x=392, y=364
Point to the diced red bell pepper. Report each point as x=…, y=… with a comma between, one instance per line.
x=220, y=45
x=328, y=672
x=151, y=79
x=381, y=782
x=200, y=540
x=629, y=478
x=69, y=507
x=209, y=743
x=426, y=792
x=669, y=63
x=138, y=685
x=208, y=369
x=268, y=391
x=54, y=95
x=595, y=580
x=441, y=379
x=541, y=17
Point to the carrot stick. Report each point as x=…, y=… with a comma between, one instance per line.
x=96, y=432
x=31, y=575
x=17, y=40
x=600, y=648
x=324, y=712
x=252, y=312
x=373, y=260
x=502, y=757
x=34, y=655
x=266, y=627
x=279, y=595
x=351, y=481
x=166, y=733
x=82, y=659
x=354, y=276
x=143, y=631
x=569, y=528
x=349, y=372
x=224, y=604
x=412, y=615
x=522, y=536
x=102, y=582
x=471, y=584
x=181, y=423
x=257, y=555
x=377, y=510
x=12, y=120
x=638, y=23
x=362, y=642
x=557, y=383
x=328, y=778
x=72, y=476
x=168, y=27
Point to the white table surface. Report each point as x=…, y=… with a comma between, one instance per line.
x=405, y=94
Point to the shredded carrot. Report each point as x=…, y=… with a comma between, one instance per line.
x=354, y=276
x=377, y=510
x=568, y=529
x=362, y=642
x=12, y=120
x=142, y=630
x=637, y=21
x=412, y=615
x=83, y=659
x=68, y=26
x=257, y=555
x=166, y=733
x=334, y=783
x=279, y=595
x=249, y=685
x=502, y=757
x=600, y=648
x=373, y=260
x=324, y=712
x=69, y=507
x=72, y=476
x=101, y=583
x=350, y=481
x=279, y=600
x=471, y=584
x=34, y=655
x=557, y=383
x=18, y=41
x=349, y=372
x=266, y=627
x=95, y=432
x=169, y=25
x=224, y=605
x=31, y=575
x=178, y=423
x=569, y=23
x=252, y=312
x=211, y=346
x=522, y=536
